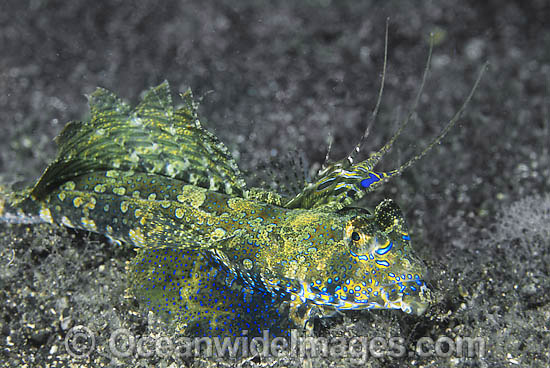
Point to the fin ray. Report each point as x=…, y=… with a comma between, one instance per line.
x=151, y=138
x=201, y=295
x=342, y=183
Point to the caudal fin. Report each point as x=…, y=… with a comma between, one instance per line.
x=17, y=208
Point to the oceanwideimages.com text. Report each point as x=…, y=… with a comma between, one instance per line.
x=80, y=342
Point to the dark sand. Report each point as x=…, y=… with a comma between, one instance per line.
x=276, y=80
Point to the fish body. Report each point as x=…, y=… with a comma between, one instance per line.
x=214, y=255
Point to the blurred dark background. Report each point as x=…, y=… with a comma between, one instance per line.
x=276, y=78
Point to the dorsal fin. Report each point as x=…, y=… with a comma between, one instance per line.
x=156, y=105
x=152, y=138
x=340, y=184
x=351, y=156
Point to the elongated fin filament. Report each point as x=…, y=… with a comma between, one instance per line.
x=351, y=156
x=377, y=156
x=445, y=130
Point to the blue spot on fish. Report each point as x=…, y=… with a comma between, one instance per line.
x=373, y=178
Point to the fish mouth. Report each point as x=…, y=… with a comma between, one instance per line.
x=411, y=296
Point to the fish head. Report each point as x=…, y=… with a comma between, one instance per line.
x=377, y=266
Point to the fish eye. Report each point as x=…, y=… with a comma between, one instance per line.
x=355, y=236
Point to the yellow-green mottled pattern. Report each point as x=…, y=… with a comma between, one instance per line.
x=215, y=256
